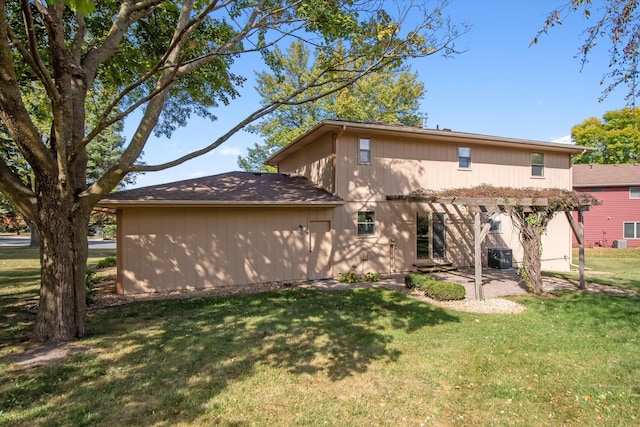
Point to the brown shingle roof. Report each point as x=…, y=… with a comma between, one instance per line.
x=233, y=188
x=606, y=175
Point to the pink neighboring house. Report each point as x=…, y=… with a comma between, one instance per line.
x=617, y=222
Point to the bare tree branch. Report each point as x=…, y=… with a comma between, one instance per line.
x=35, y=61
x=18, y=194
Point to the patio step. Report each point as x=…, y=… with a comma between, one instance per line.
x=433, y=267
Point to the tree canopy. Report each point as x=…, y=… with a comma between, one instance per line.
x=166, y=60
x=391, y=95
x=617, y=24
x=615, y=137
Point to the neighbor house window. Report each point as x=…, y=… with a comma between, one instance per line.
x=365, y=150
x=464, y=157
x=496, y=224
x=366, y=223
x=632, y=230
x=634, y=192
x=537, y=164
x=596, y=190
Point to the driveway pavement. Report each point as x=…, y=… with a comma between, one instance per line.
x=23, y=240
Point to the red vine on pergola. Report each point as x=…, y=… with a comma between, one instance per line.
x=531, y=209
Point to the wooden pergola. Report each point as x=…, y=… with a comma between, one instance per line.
x=493, y=206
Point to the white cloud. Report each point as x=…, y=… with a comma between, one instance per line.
x=196, y=174
x=563, y=140
x=229, y=151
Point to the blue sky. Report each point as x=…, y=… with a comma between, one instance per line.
x=498, y=86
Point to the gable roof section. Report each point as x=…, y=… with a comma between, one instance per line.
x=620, y=175
x=228, y=189
x=416, y=133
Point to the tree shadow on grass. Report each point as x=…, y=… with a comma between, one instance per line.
x=168, y=360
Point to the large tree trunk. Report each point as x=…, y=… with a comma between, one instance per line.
x=34, y=241
x=63, y=258
x=531, y=269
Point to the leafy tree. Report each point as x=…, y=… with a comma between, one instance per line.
x=617, y=22
x=616, y=138
x=102, y=152
x=391, y=95
x=168, y=60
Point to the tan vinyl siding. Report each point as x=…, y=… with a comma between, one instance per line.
x=197, y=248
x=316, y=162
x=399, y=166
x=397, y=221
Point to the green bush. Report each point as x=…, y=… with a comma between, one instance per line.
x=372, y=277
x=91, y=280
x=350, y=277
x=109, y=231
x=417, y=281
x=445, y=291
x=109, y=261
x=441, y=291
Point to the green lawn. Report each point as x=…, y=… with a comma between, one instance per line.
x=308, y=357
x=617, y=267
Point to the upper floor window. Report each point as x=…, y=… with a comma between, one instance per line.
x=366, y=223
x=464, y=157
x=537, y=164
x=634, y=192
x=365, y=151
x=596, y=189
x=632, y=230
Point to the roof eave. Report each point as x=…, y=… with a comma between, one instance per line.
x=208, y=203
x=595, y=184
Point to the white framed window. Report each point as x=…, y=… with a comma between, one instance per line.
x=366, y=223
x=464, y=157
x=496, y=224
x=631, y=230
x=364, y=156
x=537, y=164
x=634, y=192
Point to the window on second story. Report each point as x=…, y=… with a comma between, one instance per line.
x=634, y=192
x=365, y=151
x=464, y=157
x=537, y=164
x=366, y=223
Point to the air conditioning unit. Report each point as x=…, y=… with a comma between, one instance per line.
x=620, y=244
x=500, y=258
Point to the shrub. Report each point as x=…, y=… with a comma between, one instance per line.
x=109, y=261
x=109, y=232
x=90, y=281
x=372, y=277
x=441, y=291
x=350, y=277
x=445, y=291
x=417, y=281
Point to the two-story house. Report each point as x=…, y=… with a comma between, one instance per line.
x=616, y=223
x=328, y=210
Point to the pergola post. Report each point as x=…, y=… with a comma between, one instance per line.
x=477, y=243
x=583, y=285
x=579, y=233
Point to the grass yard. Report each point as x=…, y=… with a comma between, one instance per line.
x=309, y=357
x=607, y=266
